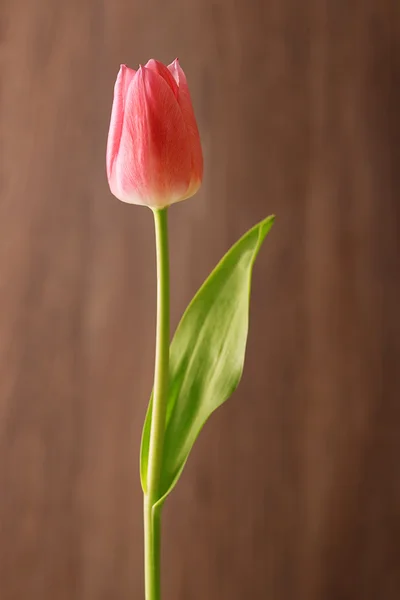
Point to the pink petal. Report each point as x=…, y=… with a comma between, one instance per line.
x=186, y=105
x=158, y=67
x=173, y=68
x=124, y=78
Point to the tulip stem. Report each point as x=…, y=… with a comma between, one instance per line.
x=152, y=516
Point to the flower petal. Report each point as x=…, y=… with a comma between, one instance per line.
x=186, y=105
x=124, y=78
x=158, y=67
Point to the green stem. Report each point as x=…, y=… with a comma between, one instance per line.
x=152, y=516
x=152, y=523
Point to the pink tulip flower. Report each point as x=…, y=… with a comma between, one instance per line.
x=154, y=155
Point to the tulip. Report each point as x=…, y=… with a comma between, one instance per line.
x=154, y=155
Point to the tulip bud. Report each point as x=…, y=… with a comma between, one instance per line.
x=154, y=155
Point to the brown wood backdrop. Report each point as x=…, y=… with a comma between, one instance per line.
x=293, y=490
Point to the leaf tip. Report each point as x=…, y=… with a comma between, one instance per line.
x=265, y=226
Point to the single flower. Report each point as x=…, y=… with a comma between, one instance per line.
x=154, y=155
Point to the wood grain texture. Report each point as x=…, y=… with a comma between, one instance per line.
x=293, y=490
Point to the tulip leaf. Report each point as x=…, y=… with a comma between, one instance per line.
x=206, y=356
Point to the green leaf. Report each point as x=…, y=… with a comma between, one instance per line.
x=206, y=356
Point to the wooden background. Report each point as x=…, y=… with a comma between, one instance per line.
x=293, y=490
